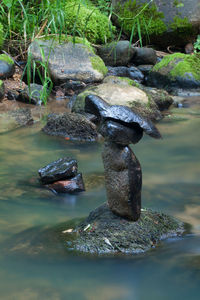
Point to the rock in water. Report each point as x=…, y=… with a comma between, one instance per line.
x=123, y=179
x=72, y=185
x=103, y=232
x=63, y=168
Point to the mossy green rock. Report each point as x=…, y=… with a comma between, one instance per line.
x=176, y=71
x=1, y=35
x=121, y=91
x=2, y=90
x=7, y=66
x=69, y=60
x=85, y=19
x=105, y=233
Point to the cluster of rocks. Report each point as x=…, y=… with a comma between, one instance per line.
x=61, y=176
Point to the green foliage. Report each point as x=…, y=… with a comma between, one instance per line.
x=24, y=20
x=103, y=5
x=1, y=35
x=84, y=19
x=197, y=44
x=140, y=20
x=6, y=58
x=39, y=69
x=182, y=25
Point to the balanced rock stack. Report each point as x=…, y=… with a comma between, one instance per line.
x=61, y=176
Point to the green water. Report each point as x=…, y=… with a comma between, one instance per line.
x=171, y=183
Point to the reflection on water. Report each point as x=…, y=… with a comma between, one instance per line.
x=171, y=172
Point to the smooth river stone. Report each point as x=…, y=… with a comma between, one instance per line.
x=123, y=180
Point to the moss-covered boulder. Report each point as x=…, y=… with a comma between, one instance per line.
x=105, y=233
x=1, y=35
x=7, y=66
x=2, y=90
x=68, y=59
x=121, y=91
x=176, y=71
x=86, y=20
x=139, y=19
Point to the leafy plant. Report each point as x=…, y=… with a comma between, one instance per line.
x=197, y=44
x=39, y=69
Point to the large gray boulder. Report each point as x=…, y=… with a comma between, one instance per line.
x=120, y=91
x=69, y=61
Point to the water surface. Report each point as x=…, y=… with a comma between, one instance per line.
x=171, y=184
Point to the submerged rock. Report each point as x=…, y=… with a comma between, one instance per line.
x=63, y=168
x=14, y=119
x=71, y=126
x=7, y=66
x=103, y=232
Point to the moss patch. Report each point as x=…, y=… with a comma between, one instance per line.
x=7, y=59
x=181, y=65
x=84, y=19
x=98, y=64
x=105, y=233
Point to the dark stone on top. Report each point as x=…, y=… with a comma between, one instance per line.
x=144, y=56
x=72, y=185
x=31, y=95
x=119, y=113
x=120, y=134
x=116, y=53
x=63, y=168
x=72, y=126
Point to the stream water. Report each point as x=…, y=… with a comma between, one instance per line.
x=171, y=184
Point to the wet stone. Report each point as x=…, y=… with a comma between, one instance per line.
x=7, y=69
x=61, y=169
x=71, y=126
x=31, y=95
x=72, y=185
x=144, y=56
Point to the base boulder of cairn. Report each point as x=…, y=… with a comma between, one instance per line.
x=103, y=232
x=61, y=176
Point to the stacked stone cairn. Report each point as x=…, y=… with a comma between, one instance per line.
x=61, y=176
